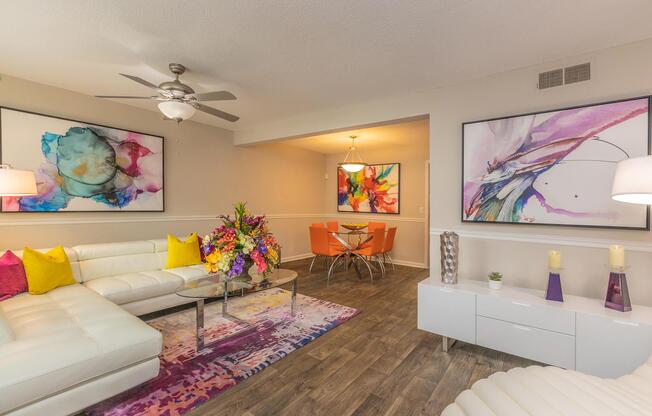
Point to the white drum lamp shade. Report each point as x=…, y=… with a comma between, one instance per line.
x=176, y=110
x=15, y=182
x=633, y=181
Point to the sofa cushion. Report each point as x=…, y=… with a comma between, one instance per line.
x=72, y=258
x=189, y=273
x=131, y=287
x=12, y=275
x=47, y=271
x=66, y=337
x=183, y=253
x=6, y=334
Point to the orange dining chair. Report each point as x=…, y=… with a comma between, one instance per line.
x=333, y=227
x=318, y=224
x=389, y=246
x=373, y=225
x=374, y=249
x=320, y=246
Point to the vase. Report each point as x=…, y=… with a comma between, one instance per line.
x=244, y=276
x=449, y=249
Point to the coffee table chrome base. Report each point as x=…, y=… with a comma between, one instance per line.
x=225, y=314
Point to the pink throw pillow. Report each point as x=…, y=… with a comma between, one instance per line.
x=12, y=276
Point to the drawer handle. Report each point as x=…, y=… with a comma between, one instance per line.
x=521, y=304
x=618, y=321
x=522, y=328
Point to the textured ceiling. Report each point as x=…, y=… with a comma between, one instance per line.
x=287, y=57
x=399, y=134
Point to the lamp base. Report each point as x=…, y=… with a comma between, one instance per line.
x=554, y=288
x=618, y=293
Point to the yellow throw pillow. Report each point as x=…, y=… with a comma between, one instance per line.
x=47, y=271
x=183, y=253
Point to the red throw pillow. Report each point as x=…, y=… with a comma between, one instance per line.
x=12, y=276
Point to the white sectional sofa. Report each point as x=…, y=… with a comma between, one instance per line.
x=552, y=391
x=77, y=345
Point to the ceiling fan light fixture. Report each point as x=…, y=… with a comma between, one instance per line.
x=176, y=110
x=353, y=162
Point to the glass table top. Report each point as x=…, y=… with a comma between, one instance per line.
x=215, y=285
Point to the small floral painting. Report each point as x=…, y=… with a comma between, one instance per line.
x=81, y=167
x=374, y=189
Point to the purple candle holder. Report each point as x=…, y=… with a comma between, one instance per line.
x=554, y=291
x=617, y=292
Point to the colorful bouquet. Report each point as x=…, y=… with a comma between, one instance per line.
x=239, y=243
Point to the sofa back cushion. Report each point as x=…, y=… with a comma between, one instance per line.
x=111, y=259
x=72, y=258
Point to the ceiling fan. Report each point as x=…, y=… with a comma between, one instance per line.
x=177, y=100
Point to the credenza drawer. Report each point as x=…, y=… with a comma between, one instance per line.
x=529, y=314
x=536, y=344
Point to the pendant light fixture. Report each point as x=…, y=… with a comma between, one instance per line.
x=353, y=161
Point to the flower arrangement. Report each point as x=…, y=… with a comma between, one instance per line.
x=240, y=242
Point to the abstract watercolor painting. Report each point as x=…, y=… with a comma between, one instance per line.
x=554, y=167
x=81, y=167
x=374, y=189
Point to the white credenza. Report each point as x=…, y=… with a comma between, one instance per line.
x=579, y=333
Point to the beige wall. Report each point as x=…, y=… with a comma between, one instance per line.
x=410, y=244
x=204, y=175
x=518, y=251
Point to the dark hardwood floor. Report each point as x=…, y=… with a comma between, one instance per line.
x=378, y=363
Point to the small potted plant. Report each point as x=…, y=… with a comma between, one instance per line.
x=495, y=280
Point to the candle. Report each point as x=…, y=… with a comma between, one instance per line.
x=616, y=257
x=554, y=259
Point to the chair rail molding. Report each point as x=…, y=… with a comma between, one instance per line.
x=631, y=245
x=13, y=220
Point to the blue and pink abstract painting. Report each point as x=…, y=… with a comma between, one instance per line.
x=82, y=167
x=554, y=167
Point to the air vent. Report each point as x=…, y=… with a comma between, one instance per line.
x=550, y=79
x=577, y=73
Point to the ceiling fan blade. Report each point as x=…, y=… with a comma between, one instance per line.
x=140, y=81
x=215, y=112
x=127, y=96
x=214, y=96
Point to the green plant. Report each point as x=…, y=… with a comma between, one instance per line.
x=495, y=276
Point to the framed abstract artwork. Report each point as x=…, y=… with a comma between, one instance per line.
x=81, y=167
x=554, y=167
x=375, y=189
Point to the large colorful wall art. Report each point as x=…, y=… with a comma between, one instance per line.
x=374, y=189
x=81, y=167
x=554, y=167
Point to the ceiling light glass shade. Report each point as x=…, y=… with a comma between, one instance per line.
x=633, y=181
x=353, y=162
x=176, y=110
x=353, y=166
x=15, y=182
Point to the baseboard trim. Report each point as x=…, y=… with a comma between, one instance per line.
x=556, y=240
x=397, y=262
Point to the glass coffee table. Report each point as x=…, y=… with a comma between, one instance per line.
x=217, y=286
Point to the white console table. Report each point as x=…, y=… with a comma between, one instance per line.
x=579, y=333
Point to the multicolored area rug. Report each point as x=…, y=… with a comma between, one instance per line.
x=233, y=352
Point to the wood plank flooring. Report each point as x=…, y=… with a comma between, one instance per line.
x=378, y=363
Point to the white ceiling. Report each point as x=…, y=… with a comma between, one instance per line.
x=399, y=134
x=286, y=57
